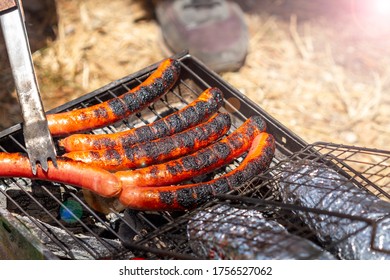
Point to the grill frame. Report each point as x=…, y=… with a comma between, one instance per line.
x=164, y=227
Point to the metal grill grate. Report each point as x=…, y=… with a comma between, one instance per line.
x=61, y=224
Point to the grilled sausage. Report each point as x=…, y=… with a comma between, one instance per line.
x=201, y=162
x=159, y=150
x=182, y=197
x=206, y=105
x=115, y=109
x=70, y=172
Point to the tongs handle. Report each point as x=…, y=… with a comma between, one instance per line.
x=39, y=143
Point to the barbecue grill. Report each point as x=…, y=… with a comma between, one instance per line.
x=44, y=220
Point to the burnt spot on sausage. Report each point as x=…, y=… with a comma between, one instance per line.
x=169, y=76
x=185, y=140
x=240, y=176
x=112, y=154
x=174, y=168
x=222, y=150
x=150, y=150
x=175, y=123
x=160, y=128
x=221, y=185
x=117, y=107
x=259, y=123
x=267, y=157
x=190, y=115
x=236, y=140
x=100, y=113
x=218, y=95
x=103, y=142
x=205, y=157
x=203, y=133
x=144, y=133
x=162, y=148
x=172, y=72
x=82, y=116
x=189, y=163
x=94, y=155
x=166, y=197
x=129, y=139
x=185, y=197
x=203, y=193
x=154, y=171
x=130, y=152
x=145, y=95
x=130, y=99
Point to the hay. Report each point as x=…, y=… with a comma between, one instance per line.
x=314, y=71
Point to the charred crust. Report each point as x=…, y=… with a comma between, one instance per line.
x=204, y=109
x=103, y=142
x=94, y=155
x=160, y=128
x=172, y=71
x=129, y=139
x=174, y=168
x=221, y=185
x=218, y=95
x=185, y=197
x=113, y=154
x=130, y=152
x=190, y=115
x=154, y=171
x=203, y=133
x=147, y=94
x=151, y=150
x=258, y=122
x=174, y=123
x=82, y=116
x=100, y=113
x=185, y=140
x=130, y=99
x=219, y=122
x=240, y=176
x=236, y=141
x=222, y=150
x=167, y=197
x=118, y=107
x=205, y=158
x=165, y=147
x=169, y=76
x=189, y=163
x=144, y=133
x=203, y=193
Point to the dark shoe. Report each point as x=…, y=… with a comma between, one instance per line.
x=212, y=30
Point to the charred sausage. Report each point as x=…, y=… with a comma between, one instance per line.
x=159, y=150
x=70, y=172
x=182, y=197
x=115, y=109
x=206, y=105
x=201, y=162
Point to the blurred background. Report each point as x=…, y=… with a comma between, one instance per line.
x=320, y=67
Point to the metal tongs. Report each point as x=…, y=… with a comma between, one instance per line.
x=38, y=140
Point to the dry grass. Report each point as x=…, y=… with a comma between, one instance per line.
x=313, y=69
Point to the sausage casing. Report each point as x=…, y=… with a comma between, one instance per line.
x=115, y=109
x=201, y=162
x=160, y=150
x=184, y=197
x=206, y=105
x=68, y=171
